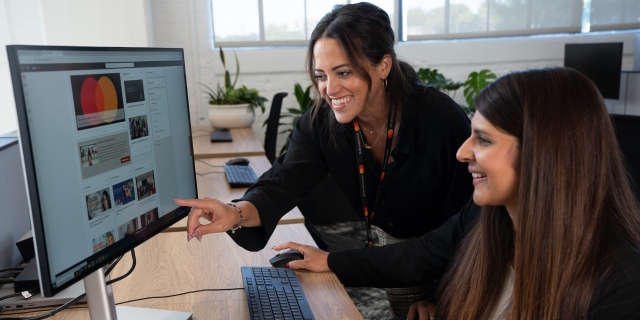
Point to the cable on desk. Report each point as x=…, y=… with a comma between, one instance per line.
x=210, y=165
x=78, y=298
x=129, y=301
x=204, y=174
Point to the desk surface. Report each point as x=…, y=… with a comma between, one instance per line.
x=215, y=185
x=244, y=144
x=168, y=265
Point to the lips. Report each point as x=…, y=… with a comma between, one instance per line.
x=341, y=103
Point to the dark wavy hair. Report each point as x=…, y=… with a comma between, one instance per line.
x=574, y=203
x=364, y=33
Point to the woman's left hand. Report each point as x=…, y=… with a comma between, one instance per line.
x=314, y=259
x=422, y=310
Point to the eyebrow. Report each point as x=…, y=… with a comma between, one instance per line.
x=480, y=131
x=334, y=68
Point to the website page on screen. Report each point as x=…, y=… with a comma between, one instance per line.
x=110, y=143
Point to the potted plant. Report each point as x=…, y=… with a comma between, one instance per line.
x=304, y=101
x=476, y=81
x=230, y=107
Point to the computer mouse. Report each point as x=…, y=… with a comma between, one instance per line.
x=281, y=259
x=238, y=162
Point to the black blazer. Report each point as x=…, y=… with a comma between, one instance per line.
x=425, y=259
x=422, y=188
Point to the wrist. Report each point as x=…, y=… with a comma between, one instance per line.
x=251, y=216
x=239, y=224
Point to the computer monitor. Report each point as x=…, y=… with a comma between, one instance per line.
x=601, y=62
x=106, y=146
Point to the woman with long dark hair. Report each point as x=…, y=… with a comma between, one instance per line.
x=388, y=141
x=553, y=231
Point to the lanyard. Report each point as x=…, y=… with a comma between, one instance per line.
x=360, y=161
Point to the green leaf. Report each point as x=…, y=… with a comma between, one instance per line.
x=296, y=111
x=224, y=61
x=475, y=83
x=237, y=70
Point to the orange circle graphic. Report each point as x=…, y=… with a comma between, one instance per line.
x=366, y=212
x=382, y=177
x=390, y=134
x=355, y=125
x=361, y=169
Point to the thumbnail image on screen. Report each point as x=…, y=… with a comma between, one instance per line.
x=97, y=100
x=134, y=91
x=128, y=228
x=146, y=185
x=123, y=192
x=89, y=155
x=98, y=203
x=149, y=217
x=104, y=240
x=138, y=127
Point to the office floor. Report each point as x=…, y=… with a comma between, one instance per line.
x=371, y=302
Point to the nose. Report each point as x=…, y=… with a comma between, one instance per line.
x=333, y=87
x=465, y=153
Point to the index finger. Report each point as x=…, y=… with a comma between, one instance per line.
x=194, y=203
x=290, y=245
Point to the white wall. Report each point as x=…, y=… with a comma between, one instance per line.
x=117, y=23
x=187, y=24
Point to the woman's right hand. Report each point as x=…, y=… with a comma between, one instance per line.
x=222, y=217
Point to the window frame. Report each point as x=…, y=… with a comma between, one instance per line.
x=580, y=9
x=288, y=43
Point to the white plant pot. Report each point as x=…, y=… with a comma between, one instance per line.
x=231, y=116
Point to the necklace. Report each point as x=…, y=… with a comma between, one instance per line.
x=385, y=122
x=365, y=145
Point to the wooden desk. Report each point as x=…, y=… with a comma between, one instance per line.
x=215, y=185
x=244, y=144
x=168, y=265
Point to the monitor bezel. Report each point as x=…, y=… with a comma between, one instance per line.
x=24, y=137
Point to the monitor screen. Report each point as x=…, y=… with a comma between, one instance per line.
x=601, y=62
x=106, y=142
x=627, y=129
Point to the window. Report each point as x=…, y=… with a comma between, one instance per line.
x=615, y=14
x=242, y=23
x=449, y=19
x=254, y=23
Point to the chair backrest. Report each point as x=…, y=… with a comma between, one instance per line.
x=271, y=135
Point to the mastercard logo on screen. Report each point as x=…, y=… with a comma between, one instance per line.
x=97, y=99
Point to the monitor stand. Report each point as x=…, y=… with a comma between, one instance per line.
x=102, y=304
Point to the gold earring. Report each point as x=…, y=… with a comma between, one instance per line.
x=384, y=83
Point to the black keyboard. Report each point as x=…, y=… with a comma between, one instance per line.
x=275, y=294
x=240, y=176
x=219, y=135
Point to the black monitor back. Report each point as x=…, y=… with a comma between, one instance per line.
x=628, y=133
x=601, y=62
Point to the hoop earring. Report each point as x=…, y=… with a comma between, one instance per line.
x=384, y=83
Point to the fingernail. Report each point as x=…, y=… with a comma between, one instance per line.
x=199, y=239
x=273, y=247
x=197, y=234
x=188, y=237
x=286, y=265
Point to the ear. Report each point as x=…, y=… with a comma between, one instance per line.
x=384, y=66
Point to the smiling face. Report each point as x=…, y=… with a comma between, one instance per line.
x=492, y=156
x=346, y=93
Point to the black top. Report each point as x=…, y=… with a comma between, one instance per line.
x=425, y=259
x=422, y=188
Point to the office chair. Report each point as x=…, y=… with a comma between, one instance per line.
x=272, y=126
